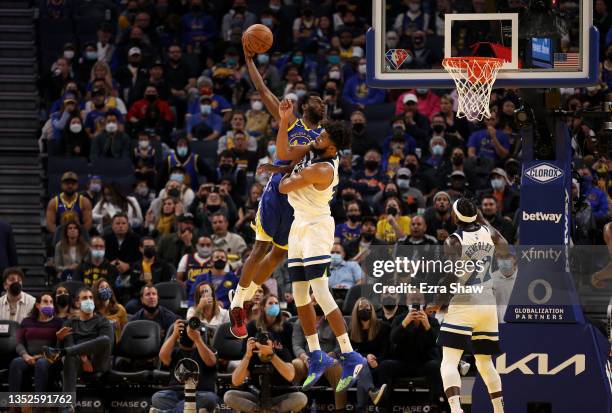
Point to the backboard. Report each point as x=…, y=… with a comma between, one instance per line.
x=544, y=43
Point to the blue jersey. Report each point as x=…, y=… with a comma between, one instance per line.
x=275, y=215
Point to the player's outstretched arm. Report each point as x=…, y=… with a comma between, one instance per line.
x=268, y=98
x=320, y=175
x=284, y=151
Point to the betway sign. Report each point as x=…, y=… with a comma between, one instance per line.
x=544, y=173
x=543, y=368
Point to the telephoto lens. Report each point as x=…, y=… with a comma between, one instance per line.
x=194, y=323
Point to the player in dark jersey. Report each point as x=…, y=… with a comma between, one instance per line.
x=275, y=215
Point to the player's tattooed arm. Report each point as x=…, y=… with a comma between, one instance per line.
x=320, y=175
x=284, y=151
x=269, y=168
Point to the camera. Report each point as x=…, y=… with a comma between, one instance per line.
x=195, y=324
x=392, y=210
x=262, y=337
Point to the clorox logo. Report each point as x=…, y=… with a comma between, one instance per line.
x=544, y=173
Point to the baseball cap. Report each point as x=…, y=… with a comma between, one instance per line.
x=70, y=176
x=457, y=173
x=372, y=220
x=185, y=218
x=410, y=97
x=441, y=193
x=69, y=97
x=403, y=172
x=133, y=51
x=500, y=172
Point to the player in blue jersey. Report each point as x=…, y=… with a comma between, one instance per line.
x=275, y=215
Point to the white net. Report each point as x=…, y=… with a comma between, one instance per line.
x=474, y=78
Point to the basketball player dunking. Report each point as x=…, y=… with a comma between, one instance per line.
x=471, y=320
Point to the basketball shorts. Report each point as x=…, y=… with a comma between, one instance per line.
x=472, y=328
x=310, y=244
x=274, y=215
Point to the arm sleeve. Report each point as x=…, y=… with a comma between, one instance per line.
x=182, y=264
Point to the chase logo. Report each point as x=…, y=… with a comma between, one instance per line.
x=544, y=173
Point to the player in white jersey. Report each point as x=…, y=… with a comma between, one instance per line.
x=471, y=320
x=310, y=188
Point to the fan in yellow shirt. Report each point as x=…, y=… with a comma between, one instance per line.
x=392, y=225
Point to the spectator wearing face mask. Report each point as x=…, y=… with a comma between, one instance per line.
x=205, y=125
x=390, y=308
x=359, y=248
x=192, y=164
x=506, y=197
x=150, y=97
x=228, y=170
x=64, y=305
x=350, y=229
x=399, y=131
x=145, y=158
x=143, y=194
x=107, y=306
x=438, y=217
x=437, y=147
x=96, y=265
x=357, y=93
x=333, y=100
x=75, y=141
x=112, y=142
x=423, y=177
x=411, y=197
x=489, y=142
x=263, y=177
x=362, y=141
x=94, y=189
x=343, y=274
x=393, y=224
x=503, y=282
x=348, y=192
x=194, y=264
x=412, y=19
x=16, y=304
x=370, y=180
x=395, y=157
x=257, y=118
x=417, y=125
x=220, y=276
x=68, y=110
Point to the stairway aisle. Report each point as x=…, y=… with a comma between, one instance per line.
x=21, y=170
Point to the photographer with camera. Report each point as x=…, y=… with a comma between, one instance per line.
x=270, y=339
x=191, y=345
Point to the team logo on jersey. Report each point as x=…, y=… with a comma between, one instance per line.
x=544, y=172
x=395, y=57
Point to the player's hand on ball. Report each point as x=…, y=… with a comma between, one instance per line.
x=285, y=109
x=247, y=52
x=266, y=168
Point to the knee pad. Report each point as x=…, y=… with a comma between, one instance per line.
x=449, y=367
x=323, y=295
x=490, y=376
x=301, y=293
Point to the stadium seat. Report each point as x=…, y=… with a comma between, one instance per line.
x=136, y=352
x=170, y=295
x=206, y=149
x=227, y=346
x=60, y=164
x=55, y=33
x=378, y=128
x=380, y=111
x=8, y=342
x=85, y=29
x=118, y=171
x=351, y=298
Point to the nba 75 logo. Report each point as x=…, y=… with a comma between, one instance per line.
x=395, y=57
x=544, y=172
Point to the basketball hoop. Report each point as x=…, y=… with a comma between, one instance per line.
x=474, y=78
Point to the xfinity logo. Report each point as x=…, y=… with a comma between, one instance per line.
x=541, y=216
x=543, y=368
x=544, y=173
x=533, y=254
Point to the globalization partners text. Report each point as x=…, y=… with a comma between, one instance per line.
x=404, y=267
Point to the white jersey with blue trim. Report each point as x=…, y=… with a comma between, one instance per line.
x=310, y=202
x=477, y=247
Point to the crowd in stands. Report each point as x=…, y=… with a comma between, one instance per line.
x=163, y=77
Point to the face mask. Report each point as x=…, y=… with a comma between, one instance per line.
x=336, y=259
x=263, y=59
x=182, y=151
x=149, y=252
x=389, y=303
x=257, y=105
x=359, y=127
x=438, y=129
x=272, y=150
x=362, y=69
x=88, y=306
x=76, y=127
x=354, y=218
x=15, y=289
x=371, y=165
x=334, y=75
x=267, y=21
x=330, y=92
x=497, y=183
x=457, y=160
x=300, y=93
x=205, y=109
x=62, y=300
x=174, y=193
x=219, y=264
x=204, y=252
x=348, y=197
x=403, y=183
x=273, y=310
x=143, y=144
x=391, y=194
x=504, y=265
x=399, y=129
x=97, y=254
x=274, y=7
x=48, y=311
x=297, y=60
x=150, y=309
x=69, y=54
x=213, y=208
x=91, y=55
x=232, y=61
x=368, y=236
x=142, y=190
x=225, y=168
x=364, y=314
x=151, y=98
x=177, y=177
x=437, y=150
x=105, y=293
x=111, y=127
x=333, y=60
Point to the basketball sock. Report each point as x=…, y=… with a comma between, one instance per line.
x=313, y=342
x=238, y=299
x=251, y=290
x=345, y=343
x=455, y=404
x=498, y=405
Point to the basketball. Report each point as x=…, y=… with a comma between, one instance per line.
x=258, y=38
